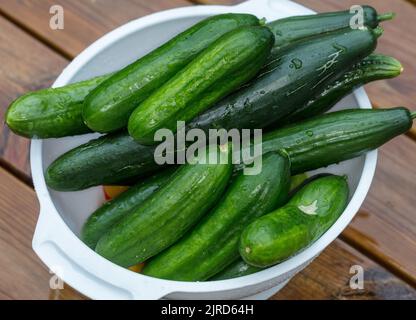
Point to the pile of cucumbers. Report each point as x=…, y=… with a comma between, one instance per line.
x=200, y=221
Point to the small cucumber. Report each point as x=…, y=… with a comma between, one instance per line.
x=372, y=68
x=109, y=106
x=213, y=243
x=298, y=72
x=168, y=213
x=102, y=219
x=51, y=113
x=282, y=233
x=291, y=29
x=220, y=69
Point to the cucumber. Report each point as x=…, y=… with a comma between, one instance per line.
x=168, y=213
x=102, y=219
x=238, y=268
x=108, y=107
x=108, y=160
x=298, y=72
x=372, y=68
x=291, y=29
x=337, y=136
x=312, y=144
x=213, y=243
x=283, y=233
x=224, y=66
x=297, y=180
x=53, y=112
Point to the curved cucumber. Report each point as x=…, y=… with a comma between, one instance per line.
x=111, y=212
x=53, y=112
x=291, y=29
x=109, y=106
x=213, y=243
x=224, y=66
x=298, y=72
x=281, y=234
x=167, y=214
x=312, y=144
x=372, y=68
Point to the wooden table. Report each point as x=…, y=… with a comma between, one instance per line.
x=381, y=239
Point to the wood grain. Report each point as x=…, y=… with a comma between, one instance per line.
x=22, y=275
x=84, y=20
x=26, y=65
x=385, y=228
x=328, y=277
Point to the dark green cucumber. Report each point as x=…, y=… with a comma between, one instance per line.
x=167, y=214
x=372, y=68
x=111, y=212
x=312, y=144
x=108, y=160
x=109, y=106
x=298, y=72
x=291, y=29
x=213, y=243
x=337, y=136
x=238, y=268
x=224, y=66
x=53, y=112
x=283, y=233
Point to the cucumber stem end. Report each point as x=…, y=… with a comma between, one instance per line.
x=378, y=31
x=413, y=115
x=386, y=16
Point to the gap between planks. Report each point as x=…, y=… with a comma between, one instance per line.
x=36, y=35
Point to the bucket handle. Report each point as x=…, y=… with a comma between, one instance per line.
x=71, y=260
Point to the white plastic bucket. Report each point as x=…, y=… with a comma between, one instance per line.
x=62, y=213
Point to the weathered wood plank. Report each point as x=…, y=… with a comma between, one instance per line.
x=385, y=228
x=26, y=64
x=328, y=277
x=84, y=21
x=21, y=274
